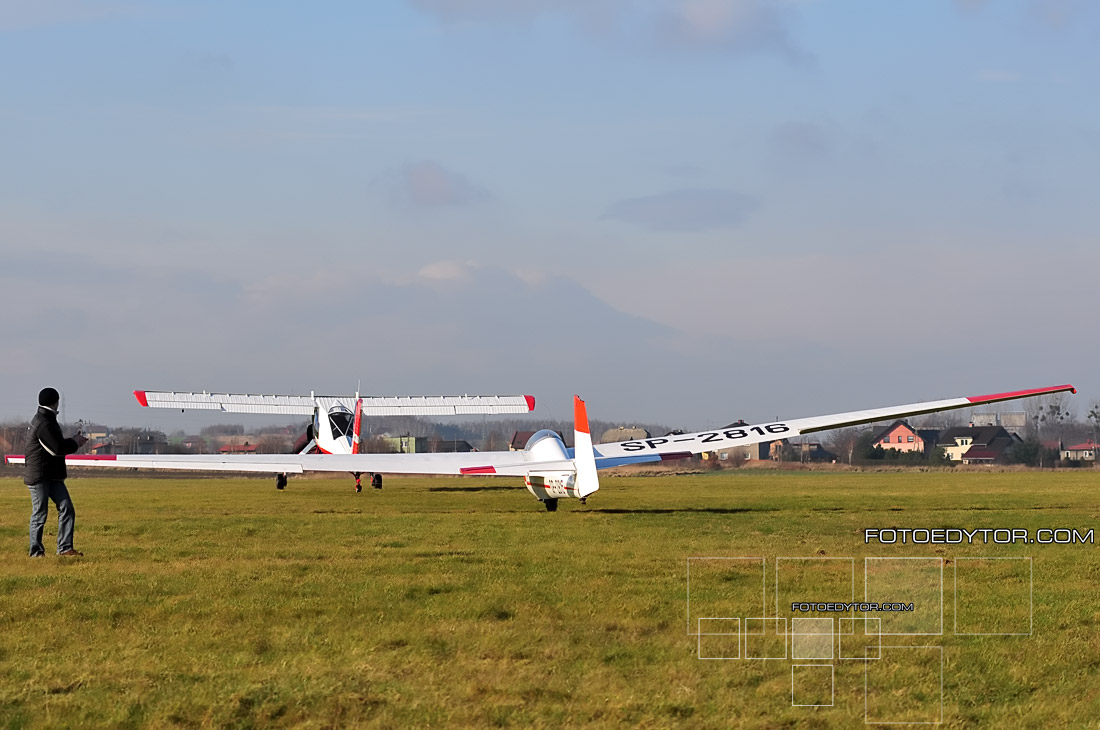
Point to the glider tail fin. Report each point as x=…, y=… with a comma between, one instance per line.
x=583, y=455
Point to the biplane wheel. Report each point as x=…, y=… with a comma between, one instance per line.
x=280, y=481
x=376, y=481
x=551, y=504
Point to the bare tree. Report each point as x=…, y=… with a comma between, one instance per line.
x=1093, y=418
x=376, y=445
x=272, y=443
x=1048, y=415
x=495, y=441
x=843, y=442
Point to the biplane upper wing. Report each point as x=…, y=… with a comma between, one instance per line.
x=304, y=405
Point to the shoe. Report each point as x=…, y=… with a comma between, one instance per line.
x=70, y=553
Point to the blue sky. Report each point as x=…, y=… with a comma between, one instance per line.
x=685, y=210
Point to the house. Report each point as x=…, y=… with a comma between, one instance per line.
x=1080, y=452
x=900, y=436
x=519, y=440
x=977, y=445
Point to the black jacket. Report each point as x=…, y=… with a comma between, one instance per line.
x=46, y=449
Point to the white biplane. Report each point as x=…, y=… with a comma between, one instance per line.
x=549, y=469
x=337, y=420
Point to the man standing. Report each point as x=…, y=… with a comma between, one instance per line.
x=45, y=475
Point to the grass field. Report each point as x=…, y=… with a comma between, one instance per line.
x=460, y=603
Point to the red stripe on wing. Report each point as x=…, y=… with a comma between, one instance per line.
x=478, y=470
x=1020, y=393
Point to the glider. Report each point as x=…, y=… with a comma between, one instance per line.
x=549, y=469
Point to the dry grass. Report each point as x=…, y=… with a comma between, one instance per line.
x=440, y=603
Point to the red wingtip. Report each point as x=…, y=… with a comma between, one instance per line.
x=993, y=397
x=140, y=395
x=580, y=415
x=530, y=402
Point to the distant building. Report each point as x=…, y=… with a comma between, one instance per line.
x=1013, y=421
x=520, y=439
x=150, y=442
x=623, y=433
x=977, y=445
x=193, y=445
x=746, y=452
x=1080, y=452
x=749, y=452
x=406, y=444
x=813, y=451
x=245, y=448
x=900, y=436
x=457, y=446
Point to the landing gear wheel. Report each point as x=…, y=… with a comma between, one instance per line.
x=280, y=481
x=551, y=504
x=376, y=481
x=358, y=484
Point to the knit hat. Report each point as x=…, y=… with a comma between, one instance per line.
x=48, y=397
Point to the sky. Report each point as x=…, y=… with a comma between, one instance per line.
x=687, y=211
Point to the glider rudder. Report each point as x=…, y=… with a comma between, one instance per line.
x=584, y=458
